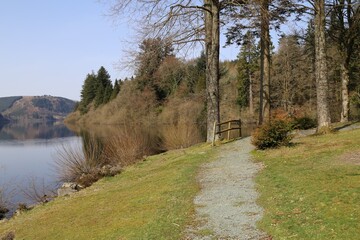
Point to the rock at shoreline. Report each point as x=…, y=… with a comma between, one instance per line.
x=68, y=188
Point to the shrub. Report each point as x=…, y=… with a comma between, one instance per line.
x=98, y=157
x=3, y=203
x=182, y=135
x=304, y=123
x=22, y=207
x=3, y=211
x=37, y=191
x=273, y=134
x=80, y=163
x=130, y=144
x=181, y=122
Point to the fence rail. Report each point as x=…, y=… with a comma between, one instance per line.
x=230, y=127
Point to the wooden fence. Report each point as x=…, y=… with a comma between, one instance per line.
x=230, y=127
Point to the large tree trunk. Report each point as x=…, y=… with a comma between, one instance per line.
x=322, y=88
x=264, y=109
x=345, y=48
x=344, y=92
x=212, y=46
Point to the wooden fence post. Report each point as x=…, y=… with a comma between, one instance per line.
x=240, y=128
x=228, y=133
x=228, y=130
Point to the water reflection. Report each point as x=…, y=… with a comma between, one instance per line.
x=27, y=153
x=46, y=130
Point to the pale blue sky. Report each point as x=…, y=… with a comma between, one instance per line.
x=48, y=46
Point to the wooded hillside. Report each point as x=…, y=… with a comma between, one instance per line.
x=314, y=71
x=36, y=108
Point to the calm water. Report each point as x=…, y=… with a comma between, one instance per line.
x=27, y=155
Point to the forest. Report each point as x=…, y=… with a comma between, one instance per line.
x=313, y=72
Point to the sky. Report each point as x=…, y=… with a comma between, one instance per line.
x=47, y=47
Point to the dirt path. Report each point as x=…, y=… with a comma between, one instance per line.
x=226, y=207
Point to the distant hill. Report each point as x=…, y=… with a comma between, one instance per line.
x=3, y=120
x=7, y=102
x=36, y=108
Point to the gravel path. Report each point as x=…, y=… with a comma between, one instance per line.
x=226, y=207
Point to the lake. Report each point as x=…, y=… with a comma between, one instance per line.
x=27, y=155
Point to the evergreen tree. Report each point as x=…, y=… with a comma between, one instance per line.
x=107, y=93
x=99, y=98
x=200, y=73
x=104, y=87
x=116, y=89
x=88, y=92
x=247, y=66
x=195, y=74
x=103, y=77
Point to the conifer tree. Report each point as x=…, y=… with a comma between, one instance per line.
x=107, y=93
x=115, y=90
x=88, y=92
x=99, y=98
x=103, y=84
x=247, y=65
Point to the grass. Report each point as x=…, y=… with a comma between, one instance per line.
x=308, y=191
x=150, y=200
x=311, y=191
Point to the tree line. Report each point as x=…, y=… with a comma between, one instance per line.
x=97, y=90
x=333, y=30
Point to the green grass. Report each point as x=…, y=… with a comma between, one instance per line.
x=309, y=191
x=150, y=200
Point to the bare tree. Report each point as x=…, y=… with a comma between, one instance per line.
x=212, y=50
x=344, y=29
x=185, y=22
x=260, y=16
x=291, y=81
x=316, y=8
x=322, y=88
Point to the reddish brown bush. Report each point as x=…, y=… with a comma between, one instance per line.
x=273, y=134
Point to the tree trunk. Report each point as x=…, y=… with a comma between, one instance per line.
x=264, y=109
x=251, y=98
x=346, y=51
x=212, y=46
x=344, y=92
x=322, y=88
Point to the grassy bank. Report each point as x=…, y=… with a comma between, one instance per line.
x=150, y=200
x=312, y=190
